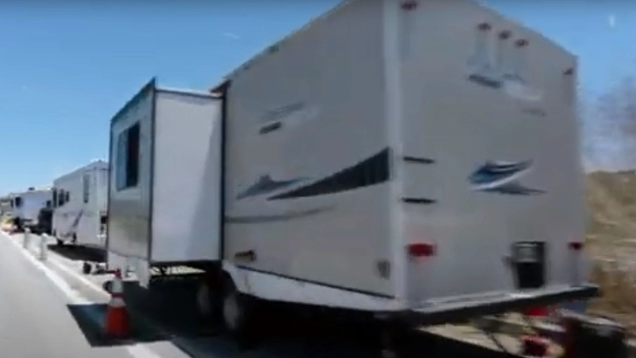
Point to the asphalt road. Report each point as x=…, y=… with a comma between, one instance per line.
x=35, y=320
x=36, y=298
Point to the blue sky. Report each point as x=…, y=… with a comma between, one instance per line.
x=67, y=66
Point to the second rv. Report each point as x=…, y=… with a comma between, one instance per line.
x=80, y=202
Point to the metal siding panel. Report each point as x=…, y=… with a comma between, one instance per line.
x=461, y=125
x=334, y=69
x=186, y=201
x=129, y=208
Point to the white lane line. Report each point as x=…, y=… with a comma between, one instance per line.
x=73, y=296
x=95, y=287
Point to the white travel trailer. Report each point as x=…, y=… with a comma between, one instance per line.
x=80, y=199
x=27, y=205
x=381, y=160
x=6, y=205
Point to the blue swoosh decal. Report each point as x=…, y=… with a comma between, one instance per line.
x=502, y=178
x=492, y=172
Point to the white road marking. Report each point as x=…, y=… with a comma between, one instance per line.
x=77, y=276
x=73, y=296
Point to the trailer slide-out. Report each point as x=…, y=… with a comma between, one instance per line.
x=417, y=161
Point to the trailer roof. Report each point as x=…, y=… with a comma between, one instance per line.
x=92, y=164
x=36, y=190
x=135, y=99
x=188, y=92
x=151, y=86
x=277, y=45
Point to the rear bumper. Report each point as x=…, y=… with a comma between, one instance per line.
x=510, y=302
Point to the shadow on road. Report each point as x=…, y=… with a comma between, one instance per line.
x=283, y=332
x=91, y=317
x=79, y=253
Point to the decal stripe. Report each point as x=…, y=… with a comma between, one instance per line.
x=270, y=127
x=371, y=171
x=419, y=201
x=418, y=160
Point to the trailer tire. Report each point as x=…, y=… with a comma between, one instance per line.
x=209, y=300
x=87, y=268
x=238, y=315
x=59, y=242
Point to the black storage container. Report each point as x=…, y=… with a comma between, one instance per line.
x=528, y=260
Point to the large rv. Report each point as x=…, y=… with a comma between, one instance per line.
x=80, y=203
x=416, y=160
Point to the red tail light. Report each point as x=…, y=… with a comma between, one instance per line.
x=536, y=311
x=421, y=250
x=576, y=245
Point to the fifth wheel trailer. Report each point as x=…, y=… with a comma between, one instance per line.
x=415, y=160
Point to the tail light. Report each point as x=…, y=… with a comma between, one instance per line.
x=422, y=249
x=576, y=245
x=576, y=248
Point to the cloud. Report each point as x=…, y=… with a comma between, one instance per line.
x=231, y=35
x=611, y=21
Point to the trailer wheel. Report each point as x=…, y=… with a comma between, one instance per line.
x=238, y=314
x=209, y=300
x=59, y=242
x=393, y=340
x=87, y=268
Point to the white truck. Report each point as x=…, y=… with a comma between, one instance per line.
x=80, y=207
x=27, y=204
x=417, y=160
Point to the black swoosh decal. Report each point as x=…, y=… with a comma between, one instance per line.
x=371, y=171
x=256, y=219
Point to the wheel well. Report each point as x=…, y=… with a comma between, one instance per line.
x=226, y=280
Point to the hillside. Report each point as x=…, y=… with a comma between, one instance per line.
x=611, y=199
x=611, y=241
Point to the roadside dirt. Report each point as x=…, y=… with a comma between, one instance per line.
x=611, y=241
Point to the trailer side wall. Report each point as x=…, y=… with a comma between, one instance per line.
x=307, y=193
x=129, y=206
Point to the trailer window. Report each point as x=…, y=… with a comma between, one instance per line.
x=54, y=197
x=18, y=202
x=60, y=198
x=86, y=187
x=67, y=197
x=128, y=158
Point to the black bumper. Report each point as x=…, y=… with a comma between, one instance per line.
x=462, y=311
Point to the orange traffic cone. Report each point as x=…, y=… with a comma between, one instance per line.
x=117, y=324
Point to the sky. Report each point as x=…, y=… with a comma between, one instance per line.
x=67, y=66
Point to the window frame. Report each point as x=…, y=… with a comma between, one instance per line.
x=86, y=187
x=128, y=153
x=54, y=198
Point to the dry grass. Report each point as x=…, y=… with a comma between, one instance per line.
x=611, y=239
